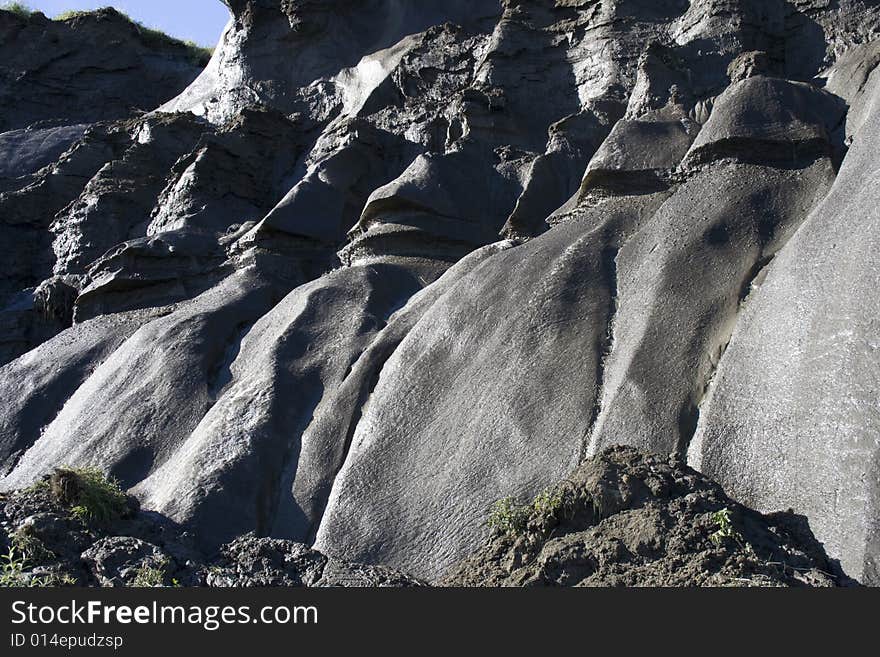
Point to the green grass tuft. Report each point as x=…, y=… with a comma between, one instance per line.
x=150, y=577
x=723, y=526
x=533, y=520
x=65, y=15
x=725, y=532
x=12, y=565
x=549, y=503
x=30, y=547
x=39, y=486
x=198, y=55
x=157, y=38
x=508, y=517
x=13, y=573
x=92, y=497
x=17, y=8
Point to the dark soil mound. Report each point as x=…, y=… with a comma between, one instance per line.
x=628, y=519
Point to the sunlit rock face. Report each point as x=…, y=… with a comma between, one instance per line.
x=382, y=263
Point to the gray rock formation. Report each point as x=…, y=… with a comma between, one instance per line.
x=91, y=66
x=793, y=399
x=383, y=263
x=58, y=79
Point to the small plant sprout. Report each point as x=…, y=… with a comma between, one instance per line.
x=150, y=576
x=725, y=530
x=723, y=524
x=548, y=503
x=12, y=569
x=13, y=573
x=508, y=517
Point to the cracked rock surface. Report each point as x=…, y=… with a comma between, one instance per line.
x=379, y=264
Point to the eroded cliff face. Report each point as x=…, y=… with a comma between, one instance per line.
x=385, y=262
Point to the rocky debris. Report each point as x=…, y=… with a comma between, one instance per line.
x=624, y=518
x=291, y=273
x=249, y=561
x=92, y=66
x=117, y=560
x=55, y=545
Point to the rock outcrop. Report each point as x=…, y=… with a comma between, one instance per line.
x=383, y=263
x=62, y=84
x=627, y=519
x=48, y=541
x=87, y=67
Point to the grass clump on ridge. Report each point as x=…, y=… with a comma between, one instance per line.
x=73, y=13
x=508, y=517
x=198, y=55
x=91, y=497
x=149, y=577
x=153, y=37
x=157, y=38
x=17, y=8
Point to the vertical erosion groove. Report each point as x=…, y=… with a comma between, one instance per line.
x=605, y=343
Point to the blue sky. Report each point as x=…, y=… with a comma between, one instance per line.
x=201, y=21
